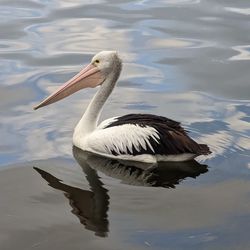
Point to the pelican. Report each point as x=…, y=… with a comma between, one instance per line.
x=138, y=137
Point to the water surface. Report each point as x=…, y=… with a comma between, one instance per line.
x=184, y=59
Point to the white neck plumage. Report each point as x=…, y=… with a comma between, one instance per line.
x=89, y=120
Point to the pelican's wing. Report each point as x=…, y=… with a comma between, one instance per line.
x=107, y=122
x=128, y=139
x=137, y=134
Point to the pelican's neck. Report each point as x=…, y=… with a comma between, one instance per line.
x=91, y=115
x=90, y=118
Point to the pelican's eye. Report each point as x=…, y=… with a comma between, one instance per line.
x=97, y=61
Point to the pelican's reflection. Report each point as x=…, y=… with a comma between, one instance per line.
x=162, y=174
x=91, y=207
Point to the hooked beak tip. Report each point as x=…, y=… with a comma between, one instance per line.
x=36, y=107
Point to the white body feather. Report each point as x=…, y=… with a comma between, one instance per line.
x=121, y=140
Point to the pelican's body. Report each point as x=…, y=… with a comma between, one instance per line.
x=137, y=137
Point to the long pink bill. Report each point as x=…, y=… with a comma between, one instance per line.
x=90, y=76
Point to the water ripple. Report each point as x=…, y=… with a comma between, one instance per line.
x=7, y=46
x=244, y=53
x=160, y=43
x=14, y=13
x=245, y=11
x=146, y=4
x=86, y=35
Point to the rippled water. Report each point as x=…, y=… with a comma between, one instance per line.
x=185, y=59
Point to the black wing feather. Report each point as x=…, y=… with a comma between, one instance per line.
x=173, y=138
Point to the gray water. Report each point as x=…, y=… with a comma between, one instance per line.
x=188, y=60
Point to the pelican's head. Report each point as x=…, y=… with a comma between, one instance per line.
x=107, y=62
x=104, y=65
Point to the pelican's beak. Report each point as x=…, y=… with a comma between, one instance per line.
x=90, y=76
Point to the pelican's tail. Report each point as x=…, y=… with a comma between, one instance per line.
x=204, y=149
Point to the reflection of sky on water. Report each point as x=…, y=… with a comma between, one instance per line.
x=162, y=53
x=244, y=53
x=219, y=123
x=244, y=11
x=184, y=59
x=16, y=13
x=186, y=52
x=146, y=4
